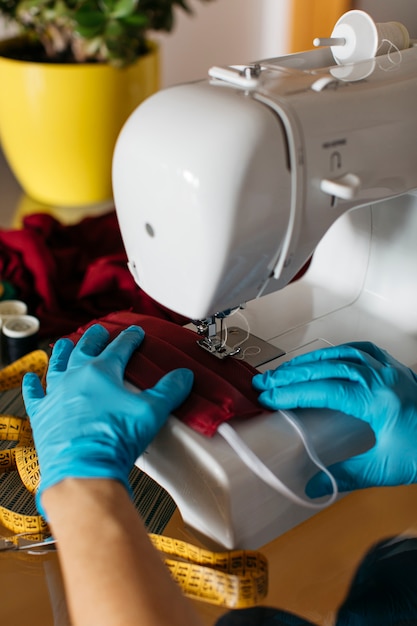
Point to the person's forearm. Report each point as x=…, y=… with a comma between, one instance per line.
x=112, y=574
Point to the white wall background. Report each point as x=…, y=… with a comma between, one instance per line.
x=222, y=32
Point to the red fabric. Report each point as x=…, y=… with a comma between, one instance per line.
x=222, y=388
x=68, y=275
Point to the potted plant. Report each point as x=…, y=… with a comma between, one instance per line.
x=69, y=80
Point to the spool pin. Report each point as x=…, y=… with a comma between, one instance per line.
x=356, y=37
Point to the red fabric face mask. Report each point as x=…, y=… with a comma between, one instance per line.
x=222, y=388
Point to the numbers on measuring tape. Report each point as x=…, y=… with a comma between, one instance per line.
x=7, y=461
x=27, y=465
x=11, y=427
x=219, y=588
x=234, y=579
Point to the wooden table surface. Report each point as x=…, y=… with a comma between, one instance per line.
x=310, y=567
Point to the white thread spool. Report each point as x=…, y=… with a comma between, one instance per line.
x=9, y=308
x=356, y=37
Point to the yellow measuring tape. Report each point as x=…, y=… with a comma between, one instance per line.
x=22, y=457
x=232, y=579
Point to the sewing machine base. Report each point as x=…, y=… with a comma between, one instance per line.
x=222, y=500
x=364, y=296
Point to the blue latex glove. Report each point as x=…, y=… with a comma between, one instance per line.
x=366, y=382
x=89, y=425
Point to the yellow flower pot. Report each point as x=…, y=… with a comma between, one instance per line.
x=59, y=123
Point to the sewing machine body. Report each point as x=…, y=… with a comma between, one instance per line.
x=345, y=141
x=224, y=190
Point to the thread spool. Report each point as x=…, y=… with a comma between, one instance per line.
x=21, y=336
x=8, y=309
x=356, y=37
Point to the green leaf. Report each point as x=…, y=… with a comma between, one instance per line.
x=89, y=23
x=136, y=21
x=124, y=8
x=114, y=30
x=89, y=17
x=107, y=6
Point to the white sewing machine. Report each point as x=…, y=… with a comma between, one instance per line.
x=224, y=188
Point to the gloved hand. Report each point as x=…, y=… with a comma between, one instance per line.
x=88, y=424
x=366, y=382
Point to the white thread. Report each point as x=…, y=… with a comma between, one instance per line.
x=249, y=350
x=394, y=62
x=258, y=467
x=223, y=327
x=243, y=317
x=394, y=34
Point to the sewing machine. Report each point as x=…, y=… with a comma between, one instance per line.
x=224, y=189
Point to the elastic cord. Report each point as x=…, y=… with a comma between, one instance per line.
x=258, y=467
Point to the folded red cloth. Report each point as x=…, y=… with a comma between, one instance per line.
x=222, y=388
x=69, y=274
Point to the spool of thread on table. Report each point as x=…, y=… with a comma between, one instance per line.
x=21, y=336
x=8, y=309
x=356, y=37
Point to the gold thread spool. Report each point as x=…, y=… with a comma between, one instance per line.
x=356, y=37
